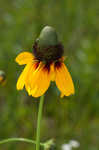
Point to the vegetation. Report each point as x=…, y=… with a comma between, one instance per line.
x=75, y=117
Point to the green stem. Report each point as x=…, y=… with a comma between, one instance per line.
x=39, y=122
x=19, y=140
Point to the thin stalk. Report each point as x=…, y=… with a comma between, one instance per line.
x=19, y=140
x=39, y=122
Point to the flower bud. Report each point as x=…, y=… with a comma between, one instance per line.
x=50, y=145
x=2, y=77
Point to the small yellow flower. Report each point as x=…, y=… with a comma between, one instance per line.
x=42, y=67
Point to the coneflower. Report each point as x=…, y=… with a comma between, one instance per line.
x=44, y=65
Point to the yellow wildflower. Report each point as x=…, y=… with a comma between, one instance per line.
x=44, y=65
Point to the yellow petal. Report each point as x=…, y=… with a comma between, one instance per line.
x=22, y=78
x=29, y=80
x=40, y=82
x=52, y=72
x=24, y=58
x=64, y=81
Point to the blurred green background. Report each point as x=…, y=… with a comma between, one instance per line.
x=75, y=117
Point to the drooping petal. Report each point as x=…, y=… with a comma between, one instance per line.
x=23, y=77
x=40, y=81
x=63, y=80
x=30, y=78
x=24, y=58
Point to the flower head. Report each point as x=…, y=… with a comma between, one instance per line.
x=44, y=65
x=70, y=145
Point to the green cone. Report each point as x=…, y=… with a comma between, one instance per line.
x=47, y=47
x=48, y=37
